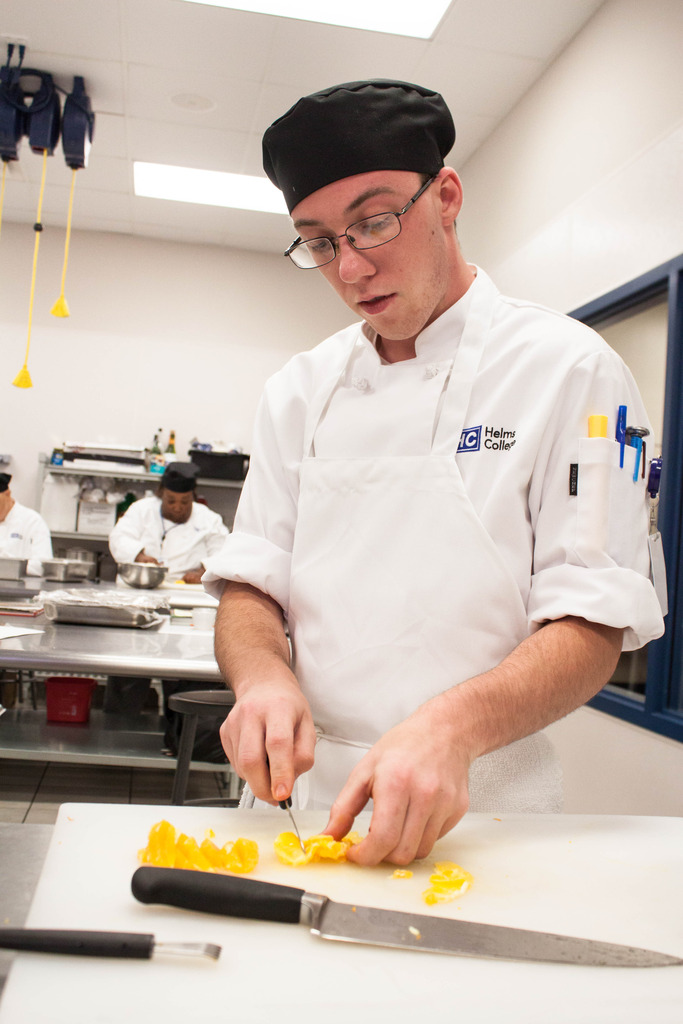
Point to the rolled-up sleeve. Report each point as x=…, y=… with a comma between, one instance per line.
x=591, y=554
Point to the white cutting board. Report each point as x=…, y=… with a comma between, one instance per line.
x=614, y=878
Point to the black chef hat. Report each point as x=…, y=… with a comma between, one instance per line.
x=180, y=477
x=378, y=125
x=4, y=481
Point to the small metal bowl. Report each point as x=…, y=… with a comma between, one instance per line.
x=144, y=575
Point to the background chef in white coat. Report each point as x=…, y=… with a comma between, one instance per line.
x=449, y=585
x=23, y=531
x=172, y=529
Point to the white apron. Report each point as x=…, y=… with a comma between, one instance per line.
x=398, y=593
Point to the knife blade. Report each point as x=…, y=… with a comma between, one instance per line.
x=134, y=945
x=265, y=901
x=286, y=805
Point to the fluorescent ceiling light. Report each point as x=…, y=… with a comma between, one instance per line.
x=418, y=18
x=209, y=188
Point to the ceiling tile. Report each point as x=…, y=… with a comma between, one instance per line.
x=501, y=78
x=527, y=28
x=168, y=34
x=150, y=95
x=73, y=28
x=189, y=146
x=109, y=136
x=311, y=57
x=136, y=55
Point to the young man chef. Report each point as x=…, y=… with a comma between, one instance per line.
x=23, y=532
x=408, y=509
x=172, y=529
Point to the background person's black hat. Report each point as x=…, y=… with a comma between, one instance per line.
x=377, y=125
x=180, y=477
x=4, y=481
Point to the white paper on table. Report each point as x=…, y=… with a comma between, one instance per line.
x=7, y=632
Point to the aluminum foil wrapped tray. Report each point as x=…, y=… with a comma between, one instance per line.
x=94, y=607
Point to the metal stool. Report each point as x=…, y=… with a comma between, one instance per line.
x=192, y=705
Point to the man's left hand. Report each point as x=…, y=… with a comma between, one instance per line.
x=417, y=779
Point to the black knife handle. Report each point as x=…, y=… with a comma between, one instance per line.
x=218, y=894
x=77, y=943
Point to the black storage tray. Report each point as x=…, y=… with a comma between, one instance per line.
x=220, y=465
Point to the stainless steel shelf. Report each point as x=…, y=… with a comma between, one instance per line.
x=74, y=535
x=81, y=470
x=106, y=739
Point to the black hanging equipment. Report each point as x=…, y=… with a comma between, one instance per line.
x=78, y=122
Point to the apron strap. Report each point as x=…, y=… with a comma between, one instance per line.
x=455, y=397
x=322, y=399
x=455, y=400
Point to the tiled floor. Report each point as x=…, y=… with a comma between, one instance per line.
x=32, y=791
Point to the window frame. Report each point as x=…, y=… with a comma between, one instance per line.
x=664, y=683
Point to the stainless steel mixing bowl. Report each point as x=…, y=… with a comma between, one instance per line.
x=144, y=575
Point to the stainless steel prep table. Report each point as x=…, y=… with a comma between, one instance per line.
x=173, y=650
x=169, y=651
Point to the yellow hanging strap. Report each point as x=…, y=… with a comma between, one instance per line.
x=61, y=306
x=23, y=378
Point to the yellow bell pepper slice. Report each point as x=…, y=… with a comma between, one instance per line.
x=447, y=883
x=165, y=850
x=316, y=848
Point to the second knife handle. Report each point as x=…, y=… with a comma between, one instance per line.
x=78, y=943
x=218, y=894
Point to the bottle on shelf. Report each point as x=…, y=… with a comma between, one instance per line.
x=170, y=447
x=157, y=464
x=124, y=505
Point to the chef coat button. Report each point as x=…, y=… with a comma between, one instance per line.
x=360, y=383
x=431, y=370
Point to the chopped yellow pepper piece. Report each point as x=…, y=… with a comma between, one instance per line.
x=447, y=883
x=316, y=848
x=164, y=850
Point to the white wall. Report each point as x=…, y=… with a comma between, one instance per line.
x=576, y=192
x=613, y=767
x=160, y=334
x=579, y=189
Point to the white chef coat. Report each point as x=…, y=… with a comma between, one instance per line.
x=180, y=546
x=541, y=376
x=25, y=534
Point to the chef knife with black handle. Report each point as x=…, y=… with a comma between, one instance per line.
x=264, y=901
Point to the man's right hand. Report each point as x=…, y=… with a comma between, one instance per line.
x=269, y=737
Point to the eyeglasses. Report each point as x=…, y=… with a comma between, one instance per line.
x=368, y=233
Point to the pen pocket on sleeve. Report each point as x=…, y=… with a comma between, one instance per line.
x=610, y=505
